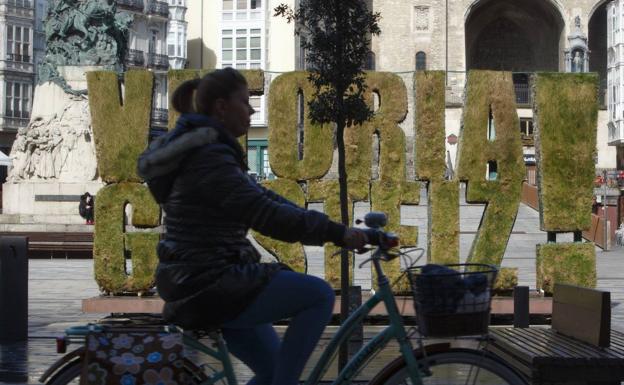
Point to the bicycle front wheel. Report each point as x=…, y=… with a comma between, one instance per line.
x=453, y=367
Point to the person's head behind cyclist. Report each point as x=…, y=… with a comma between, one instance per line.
x=222, y=95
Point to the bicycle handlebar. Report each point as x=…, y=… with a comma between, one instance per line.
x=382, y=239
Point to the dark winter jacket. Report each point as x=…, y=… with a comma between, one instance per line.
x=209, y=271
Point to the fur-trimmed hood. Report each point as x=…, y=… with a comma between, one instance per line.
x=158, y=164
x=164, y=155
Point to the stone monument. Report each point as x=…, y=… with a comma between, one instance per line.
x=54, y=156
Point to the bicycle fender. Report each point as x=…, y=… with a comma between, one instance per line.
x=60, y=363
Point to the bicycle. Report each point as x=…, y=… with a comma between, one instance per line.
x=427, y=364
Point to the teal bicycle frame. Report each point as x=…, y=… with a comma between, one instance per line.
x=396, y=330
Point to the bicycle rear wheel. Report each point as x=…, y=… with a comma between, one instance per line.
x=70, y=373
x=453, y=367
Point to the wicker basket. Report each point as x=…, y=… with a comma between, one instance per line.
x=452, y=300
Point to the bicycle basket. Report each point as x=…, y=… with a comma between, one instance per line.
x=452, y=300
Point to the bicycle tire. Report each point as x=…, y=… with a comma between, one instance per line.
x=453, y=367
x=69, y=374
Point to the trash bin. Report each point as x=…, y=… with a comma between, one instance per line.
x=13, y=289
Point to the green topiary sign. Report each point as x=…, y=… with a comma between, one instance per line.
x=489, y=160
x=565, y=112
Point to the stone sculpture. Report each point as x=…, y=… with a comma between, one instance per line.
x=57, y=145
x=83, y=32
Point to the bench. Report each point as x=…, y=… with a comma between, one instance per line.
x=51, y=242
x=579, y=348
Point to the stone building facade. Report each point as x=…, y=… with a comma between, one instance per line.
x=523, y=36
x=17, y=68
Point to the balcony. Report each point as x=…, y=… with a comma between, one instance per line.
x=160, y=117
x=14, y=123
x=18, y=58
x=19, y=8
x=135, y=58
x=159, y=8
x=20, y=3
x=157, y=61
x=131, y=5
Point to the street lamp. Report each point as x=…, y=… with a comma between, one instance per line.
x=604, y=210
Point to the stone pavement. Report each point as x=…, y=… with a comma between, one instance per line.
x=56, y=288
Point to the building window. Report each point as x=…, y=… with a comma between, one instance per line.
x=491, y=129
x=526, y=126
x=17, y=100
x=421, y=61
x=241, y=48
x=258, y=159
x=18, y=43
x=370, y=61
x=241, y=10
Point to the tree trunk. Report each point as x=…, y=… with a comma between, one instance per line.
x=345, y=281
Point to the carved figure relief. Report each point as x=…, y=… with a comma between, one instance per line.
x=60, y=148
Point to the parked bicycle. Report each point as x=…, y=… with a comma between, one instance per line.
x=447, y=305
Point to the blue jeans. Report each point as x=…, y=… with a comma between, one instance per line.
x=308, y=302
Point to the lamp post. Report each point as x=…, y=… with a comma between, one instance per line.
x=604, y=211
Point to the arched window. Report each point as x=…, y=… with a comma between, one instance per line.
x=421, y=61
x=370, y=61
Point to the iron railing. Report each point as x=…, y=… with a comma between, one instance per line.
x=133, y=5
x=160, y=8
x=18, y=58
x=20, y=3
x=135, y=58
x=157, y=61
x=13, y=122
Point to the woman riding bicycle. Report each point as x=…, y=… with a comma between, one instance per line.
x=209, y=273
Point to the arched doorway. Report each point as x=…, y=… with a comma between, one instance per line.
x=515, y=35
x=597, y=41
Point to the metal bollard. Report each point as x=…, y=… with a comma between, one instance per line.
x=13, y=289
x=521, y=306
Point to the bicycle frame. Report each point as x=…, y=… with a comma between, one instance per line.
x=396, y=330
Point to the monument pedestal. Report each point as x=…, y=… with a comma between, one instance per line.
x=54, y=159
x=45, y=202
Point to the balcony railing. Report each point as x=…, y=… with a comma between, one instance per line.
x=160, y=8
x=135, y=58
x=158, y=61
x=132, y=5
x=160, y=117
x=523, y=94
x=18, y=57
x=20, y=3
x=13, y=122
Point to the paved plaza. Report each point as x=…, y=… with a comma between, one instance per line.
x=57, y=286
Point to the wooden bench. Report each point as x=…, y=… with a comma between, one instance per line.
x=63, y=242
x=578, y=349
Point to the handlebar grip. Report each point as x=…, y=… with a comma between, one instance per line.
x=379, y=238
